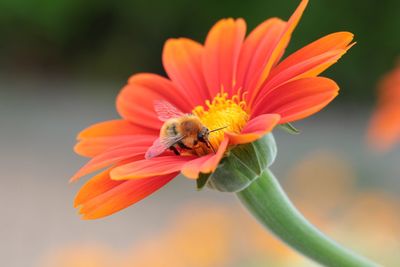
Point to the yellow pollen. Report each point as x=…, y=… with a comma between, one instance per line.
x=223, y=112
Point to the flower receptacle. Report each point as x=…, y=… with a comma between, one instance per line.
x=242, y=166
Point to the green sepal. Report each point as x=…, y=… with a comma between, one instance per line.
x=202, y=180
x=288, y=127
x=243, y=165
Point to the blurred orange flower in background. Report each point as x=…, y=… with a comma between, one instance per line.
x=81, y=255
x=384, y=128
x=231, y=81
x=200, y=239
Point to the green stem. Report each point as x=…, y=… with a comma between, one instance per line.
x=266, y=200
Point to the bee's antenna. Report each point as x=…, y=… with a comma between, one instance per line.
x=218, y=129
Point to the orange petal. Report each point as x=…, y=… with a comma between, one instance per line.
x=279, y=48
x=309, y=68
x=255, y=129
x=117, y=195
x=205, y=164
x=103, y=136
x=221, y=54
x=182, y=62
x=91, y=147
x=96, y=186
x=311, y=60
x=257, y=49
x=298, y=99
x=135, y=148
x=330, y=42
x=135, y=102
x=149, y=167
x=114, y=128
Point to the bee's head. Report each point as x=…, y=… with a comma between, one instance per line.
x=203, y=135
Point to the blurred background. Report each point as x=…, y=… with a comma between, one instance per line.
x=63, y=62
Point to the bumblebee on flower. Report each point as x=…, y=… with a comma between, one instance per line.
x=228, y=92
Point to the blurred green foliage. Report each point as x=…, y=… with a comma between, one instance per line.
x=112, y=39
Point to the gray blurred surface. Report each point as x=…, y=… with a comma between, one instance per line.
x=38, y=124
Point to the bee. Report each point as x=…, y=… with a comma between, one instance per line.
x=180, y=131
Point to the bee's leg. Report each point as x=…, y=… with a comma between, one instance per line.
x=174, y=150
x=209, y=145
x=182, y=145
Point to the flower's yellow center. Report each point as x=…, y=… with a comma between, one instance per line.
x=222, y=112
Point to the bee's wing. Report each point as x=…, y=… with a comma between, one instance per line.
x=166, y=110
x=161, y=144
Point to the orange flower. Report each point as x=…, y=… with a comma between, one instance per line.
x=384, y=129
x=231, y=81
